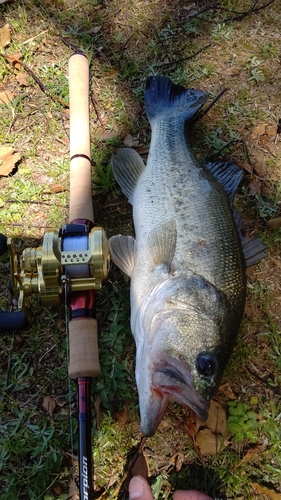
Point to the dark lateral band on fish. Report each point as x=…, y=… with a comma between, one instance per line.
x=187, y=261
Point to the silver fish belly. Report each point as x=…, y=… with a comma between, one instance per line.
x=186, y=262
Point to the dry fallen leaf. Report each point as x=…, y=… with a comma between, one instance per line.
x=273, y=223
x=258, y=131
x=130, y=141
x=5, y=35
x=6, y=96
x=57, y=188
x=266, y=491
x=271, y=130
x=255, y=186
x=210, y=443
x=122, y=416
x=216, y=421
x=49, y=405
x=257, y=450
x=22, y=79
x=14, y=59
x=8, y=160
x=73, y=490
x=246, y=166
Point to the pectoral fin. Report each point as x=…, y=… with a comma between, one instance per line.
x=123, y=251
x=161, y=245
x=127, y=167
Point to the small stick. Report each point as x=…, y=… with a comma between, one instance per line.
x=95, y=105
x=35, y=78
x=165, y=65
x=207, y=109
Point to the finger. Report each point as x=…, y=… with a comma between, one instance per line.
x=190, y=495
x=139, y=489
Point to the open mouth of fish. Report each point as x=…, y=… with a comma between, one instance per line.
x=170, y=384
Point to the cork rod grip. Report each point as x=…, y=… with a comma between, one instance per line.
x=80, y=202
x=83, y=348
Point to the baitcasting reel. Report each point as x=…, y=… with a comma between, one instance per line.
x=73, y=254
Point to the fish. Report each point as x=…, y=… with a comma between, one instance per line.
x=186, y=262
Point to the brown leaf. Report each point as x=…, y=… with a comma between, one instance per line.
x=21, y=79
x=257, y=450
x=140, y=467
x=266, y=491
x=8, y=160
x=273, y=223
x=271, y=131
x=73, y=490
x=130, y=141
x=122, y=416
x=49, y=405
x=258, y=131
x=14, y=59
x=216, y=421
x=109, y=135
x=210, y=443
x=6, y=96
x=255, y=186
x=57, y=489
x=57, y=188
x=5, y=35
x=179, y=461
x=245, y=165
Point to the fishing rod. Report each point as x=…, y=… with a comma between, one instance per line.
x=70, y=266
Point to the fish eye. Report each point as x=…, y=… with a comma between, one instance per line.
x=207, y=364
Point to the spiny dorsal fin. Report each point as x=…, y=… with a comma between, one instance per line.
x=228, y=174
x=127, y=167
x=123, y=252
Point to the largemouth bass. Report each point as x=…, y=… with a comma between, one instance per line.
x=186, y=262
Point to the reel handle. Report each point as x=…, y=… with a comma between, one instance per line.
x=10, y=320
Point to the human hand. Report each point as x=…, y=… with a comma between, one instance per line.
x=139, y=489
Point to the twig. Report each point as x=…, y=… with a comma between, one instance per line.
x=165, y=65
x=239, y=16
x=69, y=44
x=33, y=38
x=95, y=105
x=123, y=50
x=35, y=78
x=212, y=103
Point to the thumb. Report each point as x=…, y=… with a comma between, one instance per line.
x=139, y=489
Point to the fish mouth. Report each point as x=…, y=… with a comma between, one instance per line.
x=170, y=383
x=177, y=385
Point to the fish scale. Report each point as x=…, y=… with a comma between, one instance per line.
x=186, y=261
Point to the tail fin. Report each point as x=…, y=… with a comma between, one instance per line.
x=163, y=97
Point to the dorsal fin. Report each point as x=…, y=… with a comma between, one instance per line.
x=228, y=174
x=253, y=248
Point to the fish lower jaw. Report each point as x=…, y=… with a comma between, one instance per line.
x=186, y=397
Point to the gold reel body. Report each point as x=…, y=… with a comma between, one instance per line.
x=41, y=269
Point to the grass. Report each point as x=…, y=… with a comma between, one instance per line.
x=126, y=42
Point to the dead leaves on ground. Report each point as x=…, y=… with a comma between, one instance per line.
x=49, y=405
x=210, y=436
x=5, y=36
x=8, y=160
